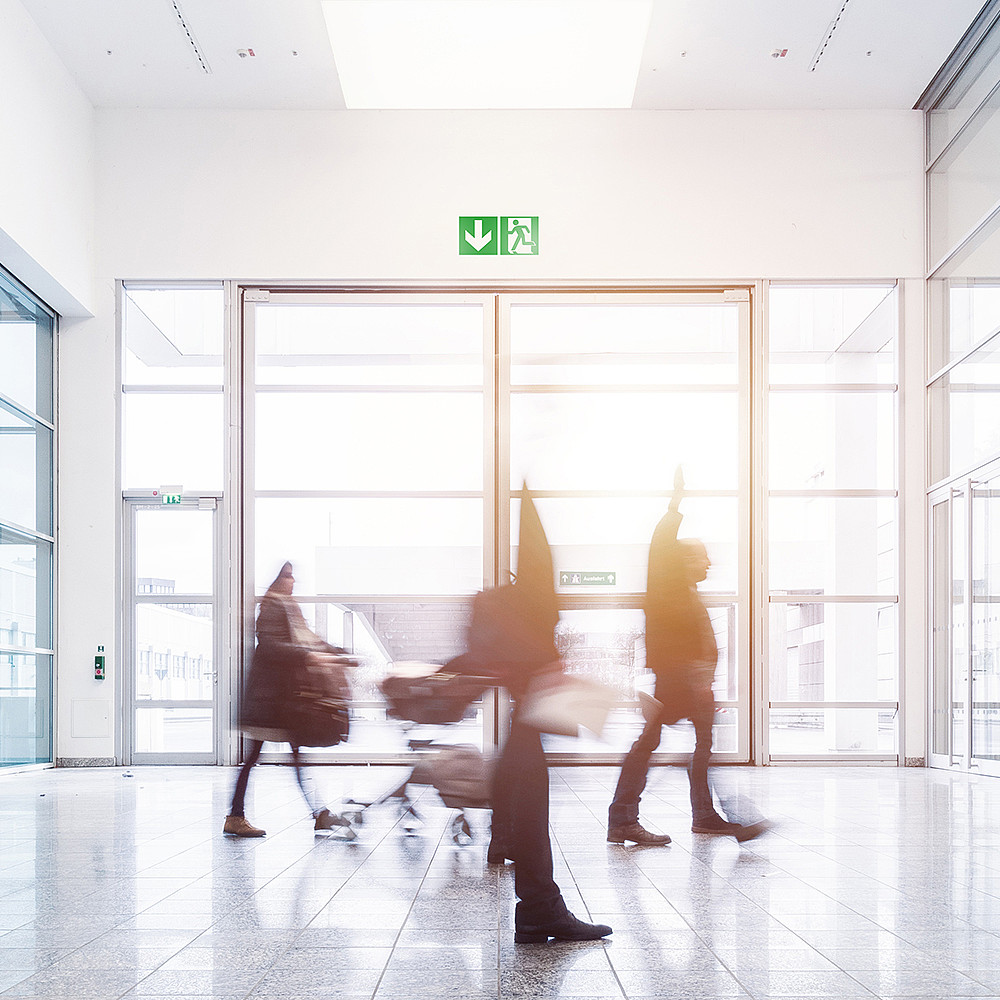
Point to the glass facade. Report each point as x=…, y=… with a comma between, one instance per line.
x=378, y=441
x=963, y=407
x=832, y=521
x=27, y=430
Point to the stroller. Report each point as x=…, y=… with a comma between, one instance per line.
x=428, y=694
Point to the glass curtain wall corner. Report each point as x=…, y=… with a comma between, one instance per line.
x=27, y=433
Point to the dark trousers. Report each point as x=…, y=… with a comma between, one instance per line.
x=243, y=779
x=632, y=780
x=521, y=824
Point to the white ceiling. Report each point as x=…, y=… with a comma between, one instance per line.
x=699, y=54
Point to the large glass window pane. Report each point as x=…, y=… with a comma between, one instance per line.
x=832, y=652
x=174, y=652
x=173, y=730
x=624, y=343
x=835, y=333
x=965, y=413
x=840, y=731
x=970, y=314
x=369, y=441
x=986, y=620
x=832, y=440
x=26, y=349
x=964, y=94
x=173, y=439
x=371, y=545
x=25, y=591
x=607, y=645
x=372, y=343
x=25, y=708
x=174, y=551
x=173, y=336
x=832, y=546
x=26, y=477
x=610, y=537
x=624, y=441
x=965, y=183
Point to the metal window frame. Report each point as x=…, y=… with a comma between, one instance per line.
x=765, y=494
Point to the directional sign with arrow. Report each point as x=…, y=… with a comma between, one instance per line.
x=477, y=235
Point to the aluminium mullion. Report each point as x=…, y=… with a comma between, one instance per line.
x=779, y=598
x=368, y=389
x=833, y=387
x=962, y=358
x=172, y=389
x=719, y=388
x=16, y=410
x=969, y=623
x=30, y=534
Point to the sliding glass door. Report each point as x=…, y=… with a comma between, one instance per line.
x=387, y=436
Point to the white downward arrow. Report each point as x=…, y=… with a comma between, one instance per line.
x=480, y=239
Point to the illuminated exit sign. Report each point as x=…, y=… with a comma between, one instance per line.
x=490, y=235
x=166, y=498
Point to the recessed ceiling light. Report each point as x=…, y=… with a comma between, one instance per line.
x=413, y=54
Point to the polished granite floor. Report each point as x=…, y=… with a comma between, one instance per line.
x=876, y=882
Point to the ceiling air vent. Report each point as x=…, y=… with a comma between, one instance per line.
x=828, y=36
x=189, y=35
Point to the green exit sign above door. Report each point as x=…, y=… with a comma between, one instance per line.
x=489, y=235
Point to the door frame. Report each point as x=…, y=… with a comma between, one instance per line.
x=957, y=491
x=132, y=504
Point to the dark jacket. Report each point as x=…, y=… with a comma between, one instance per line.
x=679, y=635
x=278, y=662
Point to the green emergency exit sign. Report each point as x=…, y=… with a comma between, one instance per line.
x=490, y=235
x=166, y=498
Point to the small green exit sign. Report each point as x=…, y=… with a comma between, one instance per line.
x=166, y=498
x=490, y=235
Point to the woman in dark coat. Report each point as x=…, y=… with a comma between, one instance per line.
x=286, y=650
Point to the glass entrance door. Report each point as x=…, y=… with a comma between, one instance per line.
x=965, y=631
x=387, y=438
x=172, y=632
x=601, y=397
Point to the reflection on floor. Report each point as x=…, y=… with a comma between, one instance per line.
x=878, y=881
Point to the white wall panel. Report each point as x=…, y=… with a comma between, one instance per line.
x=46, y=168
x=619, y=195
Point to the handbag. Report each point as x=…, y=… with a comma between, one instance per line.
x=561, y=703
x=317, y=713
x=315, y=719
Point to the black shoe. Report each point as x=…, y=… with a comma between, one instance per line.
x=718, y=826
x=635, y=832
x=564, y=928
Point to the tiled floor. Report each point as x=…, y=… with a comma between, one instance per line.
x=877, y=882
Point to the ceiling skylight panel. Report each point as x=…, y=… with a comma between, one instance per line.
x=441, y=54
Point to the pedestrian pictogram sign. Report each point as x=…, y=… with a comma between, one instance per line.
x=519, y=235
x=489, y=235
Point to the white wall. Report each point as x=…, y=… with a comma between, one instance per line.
x=315, y=196
x=620, y=195
x=46, y=168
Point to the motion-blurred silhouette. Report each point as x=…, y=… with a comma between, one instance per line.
x=682, y=652
x=511, y=638
x=289, y=657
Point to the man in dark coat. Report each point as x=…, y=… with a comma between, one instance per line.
x=682, y=652
x=511, y=638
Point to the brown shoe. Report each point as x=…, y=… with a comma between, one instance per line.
x=237, y=826
x=635, y=832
